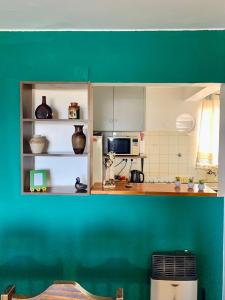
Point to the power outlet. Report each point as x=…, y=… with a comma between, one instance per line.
x=134, y=161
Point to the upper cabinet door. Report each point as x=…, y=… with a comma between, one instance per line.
x=103, y=108
x=129, y=109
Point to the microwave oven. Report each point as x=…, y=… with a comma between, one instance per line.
x=124, y=145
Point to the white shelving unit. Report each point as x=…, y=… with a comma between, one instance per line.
x=62, y=164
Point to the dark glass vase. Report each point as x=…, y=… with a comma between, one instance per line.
x=78, y=140
x=43, y=111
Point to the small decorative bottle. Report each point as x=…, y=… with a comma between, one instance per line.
x=142, y=144
x=74, y=111
x=43, y=111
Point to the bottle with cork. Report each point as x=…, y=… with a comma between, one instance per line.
x=43, y=111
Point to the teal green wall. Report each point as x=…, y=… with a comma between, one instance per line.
x=103, y=242
x=194, y=56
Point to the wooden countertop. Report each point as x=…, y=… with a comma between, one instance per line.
x=166, y=189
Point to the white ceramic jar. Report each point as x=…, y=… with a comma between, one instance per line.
x=177, y=184
x=191, y=185
x=38, y=144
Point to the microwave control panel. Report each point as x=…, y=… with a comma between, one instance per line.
x=135, y=146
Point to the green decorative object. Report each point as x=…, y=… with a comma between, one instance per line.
x=191, y=183
x=38, y=180
x=177, y=182
x=201, y=185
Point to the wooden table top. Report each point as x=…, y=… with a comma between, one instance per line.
x=60, y=290
x=151, y=189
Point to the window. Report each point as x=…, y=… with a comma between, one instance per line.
x=208, y=149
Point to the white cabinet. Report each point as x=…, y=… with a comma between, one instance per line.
x=119, y=108
x=103, y=108
x=97, y=159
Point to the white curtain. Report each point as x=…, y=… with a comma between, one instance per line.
x=208, y=149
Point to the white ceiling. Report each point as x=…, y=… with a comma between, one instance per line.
x=111, y=14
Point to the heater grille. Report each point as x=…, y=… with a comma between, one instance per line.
x=174, y=266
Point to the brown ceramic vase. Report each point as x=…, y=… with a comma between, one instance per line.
x=78, y=140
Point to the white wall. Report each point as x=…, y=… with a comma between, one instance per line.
x=164, y=104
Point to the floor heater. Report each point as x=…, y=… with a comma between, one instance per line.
x=174, y=276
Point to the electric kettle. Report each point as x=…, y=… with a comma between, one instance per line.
x=137, y=176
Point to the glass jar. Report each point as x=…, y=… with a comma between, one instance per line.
x=74, y=111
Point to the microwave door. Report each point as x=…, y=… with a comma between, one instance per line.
x=121, y=146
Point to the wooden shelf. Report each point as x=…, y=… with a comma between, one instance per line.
x=57, y=120
x=56, y=190
x=56, y=154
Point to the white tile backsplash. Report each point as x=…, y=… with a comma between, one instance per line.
x=171, y=154
x=164, y=149
x=173, y=140
x=164, y=140
x=153, y=149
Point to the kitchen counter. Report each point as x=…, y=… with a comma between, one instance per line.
x=168, y=189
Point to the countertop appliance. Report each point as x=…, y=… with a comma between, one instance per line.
x=137, y=176
x=174, y=276
x=124, y=145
